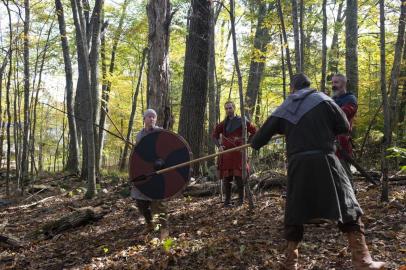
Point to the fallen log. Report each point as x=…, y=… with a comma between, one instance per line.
x=75, y=219
x=398, y=183
x=269, y=183
x=9, y=241
x=213, y=188
x=397, y=178
x=202, y=190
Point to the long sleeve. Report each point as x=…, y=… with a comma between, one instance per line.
x=216, y=133
x=271, y=127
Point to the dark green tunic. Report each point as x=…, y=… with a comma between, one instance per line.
x=318, y=186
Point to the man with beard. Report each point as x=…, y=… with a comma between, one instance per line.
x=230, y=164
x=348, y=103
x=317, y=187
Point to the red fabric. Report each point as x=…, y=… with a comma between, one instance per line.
x=230, y=164
x=350, y=110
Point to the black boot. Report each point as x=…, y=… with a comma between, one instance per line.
x=227, y=192
x=144, y=208
x=240, y=188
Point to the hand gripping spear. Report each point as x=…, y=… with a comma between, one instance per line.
x=144, y=177
x=139, y=179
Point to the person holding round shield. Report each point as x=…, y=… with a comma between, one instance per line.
x=151, y=210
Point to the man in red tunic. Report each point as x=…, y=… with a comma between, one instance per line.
x=348, y=103
x=230, y=164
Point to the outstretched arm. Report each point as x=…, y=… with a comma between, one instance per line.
x=265, y=133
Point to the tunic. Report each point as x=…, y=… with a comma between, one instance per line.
x=230, y=164
x=347, y=103
x=318, y=186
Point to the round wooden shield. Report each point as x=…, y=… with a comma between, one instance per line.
x=159, y=150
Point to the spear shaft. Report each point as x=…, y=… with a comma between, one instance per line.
x=81, y=119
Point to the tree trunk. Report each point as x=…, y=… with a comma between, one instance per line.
x=194, y=92
x=72, y=164
x=95, y=25
x=8, y=132
x=302, y=36
x=244, y=123
x=8, y=85
x=296, y=36
x=107, y=84
x=159, y=18
x=221, y=81
x=261, y=40
x=397, y=59
x=37, y=60
x=402, y=108
x=258, y=108
x=16, y=123
x=34, y=101
x=334, y=54
x=57, y=152
x=99, y=150
x=79, y=110
x=2, y=123
x=84, y=9
x=63, y=137
x=211, y=81
x=285, y=38
x=123, y=159
x=324, y=49
x=389, y=104
x=2, y=69
x=351, y=43
x=24, y=158
x=283, y=67
x=386, y=115
x=40, y=151
x=82, y=51
x=231, y=84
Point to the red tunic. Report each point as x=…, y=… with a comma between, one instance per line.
x=230, y=164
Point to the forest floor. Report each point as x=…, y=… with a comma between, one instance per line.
x=203, y=235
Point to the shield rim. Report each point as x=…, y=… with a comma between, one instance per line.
x=190, y=158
